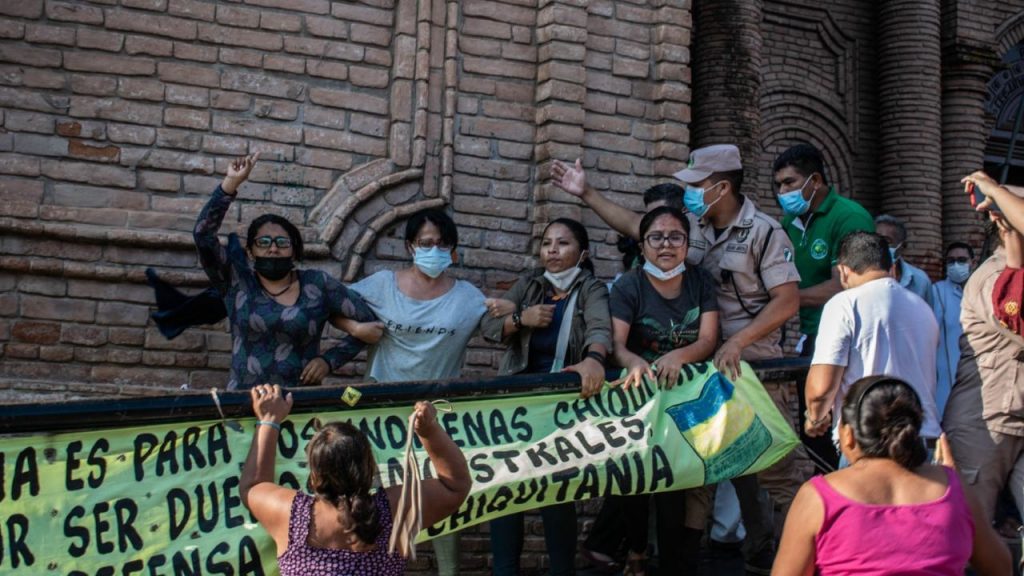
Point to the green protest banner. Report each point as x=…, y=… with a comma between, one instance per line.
x=164, y=500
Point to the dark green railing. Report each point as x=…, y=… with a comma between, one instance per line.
x=94, y=414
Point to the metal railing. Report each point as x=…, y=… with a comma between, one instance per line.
x=96, y=414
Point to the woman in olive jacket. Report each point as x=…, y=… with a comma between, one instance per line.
x=553, y=319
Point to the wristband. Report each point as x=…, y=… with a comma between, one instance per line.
x=596, y=356
x=812, y=421
x=273, y=425
x=517, y=320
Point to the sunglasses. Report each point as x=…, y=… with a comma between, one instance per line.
x=266, y=241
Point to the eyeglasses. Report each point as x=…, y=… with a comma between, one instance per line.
x=961, y=260
x=428, y=244
x=675, y=239
x=281, y=241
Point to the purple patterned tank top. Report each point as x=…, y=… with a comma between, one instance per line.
x=302, y=559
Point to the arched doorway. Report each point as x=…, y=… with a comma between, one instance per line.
x=1004, y=150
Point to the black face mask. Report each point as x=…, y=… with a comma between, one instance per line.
x=273, y=268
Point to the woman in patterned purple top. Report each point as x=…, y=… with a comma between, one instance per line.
x=340, y=528
x=277, y=313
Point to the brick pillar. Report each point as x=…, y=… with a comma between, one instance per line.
x=559, y=99
x=671, y=41
x=910, y=115
x=727, y=77
x=965, y=72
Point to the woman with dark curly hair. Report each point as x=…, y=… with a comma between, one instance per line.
x=341, y=526
x=889, y=512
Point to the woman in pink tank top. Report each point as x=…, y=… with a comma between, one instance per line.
x=889, y=512
x=340, y=528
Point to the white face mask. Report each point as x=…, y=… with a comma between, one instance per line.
x=663, y=275
x=958, y=272
x=564, y=279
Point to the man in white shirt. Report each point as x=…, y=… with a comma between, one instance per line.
x=873, y=327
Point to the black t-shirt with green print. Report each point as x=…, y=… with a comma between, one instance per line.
x=659, y=325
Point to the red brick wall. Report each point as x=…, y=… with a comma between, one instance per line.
x=118, y=120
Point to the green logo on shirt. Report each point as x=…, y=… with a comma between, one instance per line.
x=819, y=249
x=787, y=254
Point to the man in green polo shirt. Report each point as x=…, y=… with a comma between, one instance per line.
x=816, y=219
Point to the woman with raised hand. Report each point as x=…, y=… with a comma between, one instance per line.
x=556, y=320
x=664, y=315
x=341, y=526
x=889, y=512
x=277, y=312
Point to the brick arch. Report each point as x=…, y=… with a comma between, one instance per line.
x=789, y=129
x=359, y=190
x=810, y=95
x=1010, y=33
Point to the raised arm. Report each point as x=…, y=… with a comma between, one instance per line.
x=212, y=255
x=1007, y=199
x=573, y=180
x=269, y=503
x=443, y=495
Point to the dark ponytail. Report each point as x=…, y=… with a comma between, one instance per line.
x=341, y=471
x=886, y=415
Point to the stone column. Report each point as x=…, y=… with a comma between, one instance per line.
x=965, y=73
x=727, y=78
x=910, y=120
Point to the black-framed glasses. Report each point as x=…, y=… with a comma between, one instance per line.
x=281, y=241
x=961, y=260
x=428, y=244
x=674, y=239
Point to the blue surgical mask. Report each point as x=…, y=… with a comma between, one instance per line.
x=892, y=252
x=432, y=261
x=663, y=275
x=793, y=202
x=693, y=199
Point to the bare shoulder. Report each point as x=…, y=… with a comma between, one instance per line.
x=808, y=509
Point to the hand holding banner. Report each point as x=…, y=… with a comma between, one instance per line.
x=164, y=499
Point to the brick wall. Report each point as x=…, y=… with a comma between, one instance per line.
x=119, y=118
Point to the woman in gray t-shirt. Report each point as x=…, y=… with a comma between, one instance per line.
x=427, y=314
x=429, y=317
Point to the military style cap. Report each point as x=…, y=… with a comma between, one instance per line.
x=709, y=160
